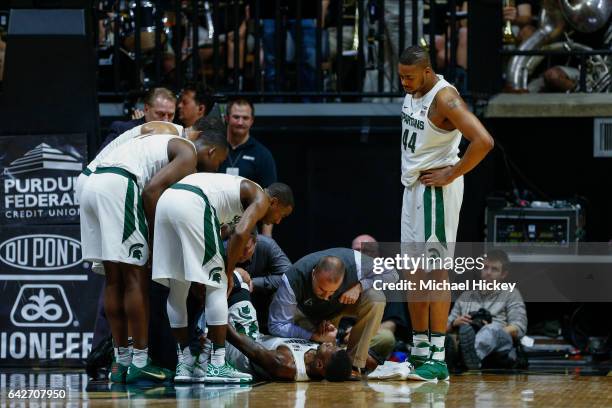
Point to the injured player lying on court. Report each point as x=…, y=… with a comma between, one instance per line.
x=271, y=358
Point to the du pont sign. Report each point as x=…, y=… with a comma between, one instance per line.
x=49, y=297
x=37, y=175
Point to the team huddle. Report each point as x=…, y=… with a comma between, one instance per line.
x=153, y=208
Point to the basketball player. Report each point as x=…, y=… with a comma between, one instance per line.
x=434, y=117
x=147, y=128
x=117, y=217
x=275, y=358
x=188, y=248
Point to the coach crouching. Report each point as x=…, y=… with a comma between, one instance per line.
x=320, y=289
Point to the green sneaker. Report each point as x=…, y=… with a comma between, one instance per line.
x=149, y=373
x=431, y=370
x=226, y=374
x=117, y=373
x=419, y=356
x=417, y=361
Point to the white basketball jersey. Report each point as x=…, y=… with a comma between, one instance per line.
x=119, y=140
x=298, y=348
x=142, y=156
x=424, y=146
x=223, y=193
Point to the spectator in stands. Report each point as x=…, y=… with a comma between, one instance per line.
x=265, y=262
x=566, y=77
x=392, y=44
x=195, y=102
x=306, y=48
x=159, y=105
x=442, y=42
x=350, y=76
x=247, y=157
x=521, y=17
x=223, y=26
x=483, y=339
x=320, y=289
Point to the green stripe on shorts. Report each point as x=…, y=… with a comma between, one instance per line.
x=427, y=211
x=131, y=212
x=212, y=238
x=440, y=227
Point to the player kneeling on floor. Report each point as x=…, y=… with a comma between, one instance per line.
x=188, y=248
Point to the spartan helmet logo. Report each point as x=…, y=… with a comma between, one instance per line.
x=434, y=253
x=136, y=251
x=215, y=275
x=245, y=312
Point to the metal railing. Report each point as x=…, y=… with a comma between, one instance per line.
x=146, y=45
x=581, y=55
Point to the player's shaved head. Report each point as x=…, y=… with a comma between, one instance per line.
x=415, y=55
x=159, y=128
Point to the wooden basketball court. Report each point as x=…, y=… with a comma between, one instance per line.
x=570, y=389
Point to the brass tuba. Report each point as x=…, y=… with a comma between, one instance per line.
x=586, y=16
x=551, y=27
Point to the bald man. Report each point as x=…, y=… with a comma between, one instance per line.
x=321, y=288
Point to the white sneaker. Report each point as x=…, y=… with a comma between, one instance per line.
x=184, y=368
x=199, y=368
x=226, y=374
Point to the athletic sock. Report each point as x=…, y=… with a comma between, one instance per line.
x=420, y=344
x=217, y=357
x=123, y=356
x=437, y=346
x=140, y=357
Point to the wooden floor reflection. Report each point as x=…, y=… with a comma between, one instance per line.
x=467, y=390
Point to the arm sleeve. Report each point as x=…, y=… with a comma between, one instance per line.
x=275, y=265
x=282, y=312
x=517, y=313
x=455, y=312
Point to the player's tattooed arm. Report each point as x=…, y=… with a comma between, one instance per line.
x=452, y=107
x=454, y=103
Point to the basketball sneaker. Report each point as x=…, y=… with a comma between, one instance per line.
x=117, y=373
x=226, y=374
x=184, y=369
x=149, y=372
x=199, y=368
x=430, y=370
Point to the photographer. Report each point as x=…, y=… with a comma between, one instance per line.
x=489, y=322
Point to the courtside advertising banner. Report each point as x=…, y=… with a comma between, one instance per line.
x=49, y=299
x=37, y=178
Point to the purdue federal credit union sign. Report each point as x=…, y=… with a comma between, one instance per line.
x=37, y=177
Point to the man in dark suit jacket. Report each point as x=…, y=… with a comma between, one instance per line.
x=159, y=105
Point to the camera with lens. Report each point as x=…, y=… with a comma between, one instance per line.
x=480, y=318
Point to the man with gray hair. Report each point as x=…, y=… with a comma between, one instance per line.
x=159, y=105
